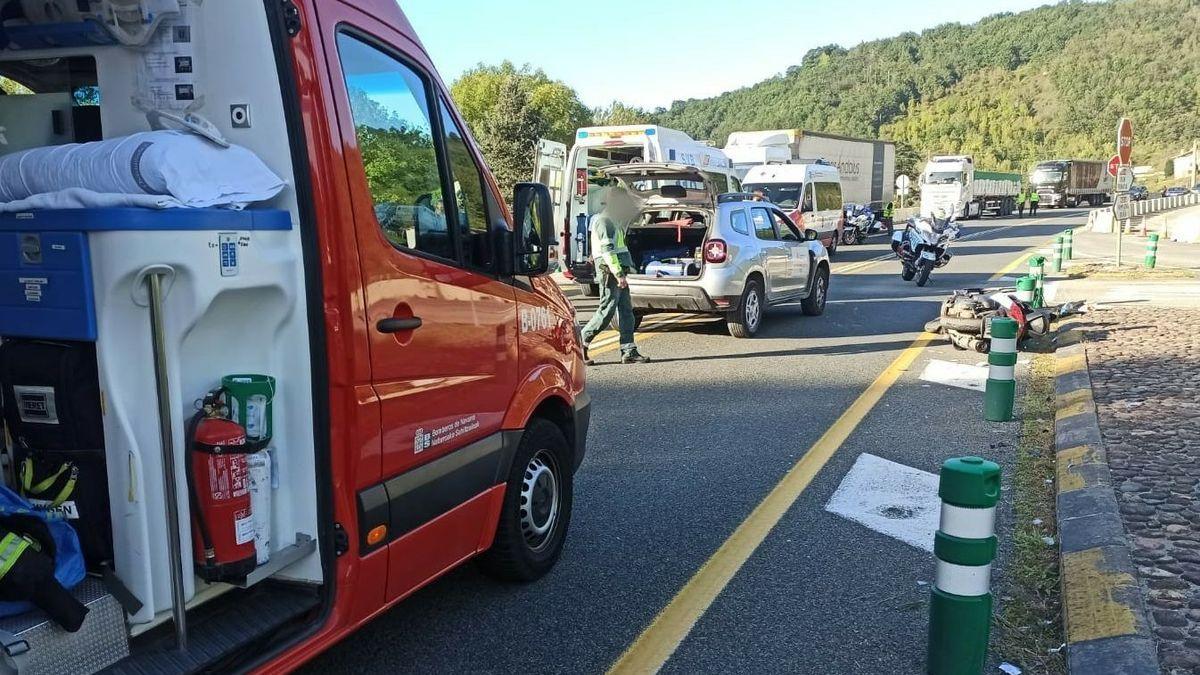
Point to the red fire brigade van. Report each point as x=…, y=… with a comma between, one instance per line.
x=376, y=336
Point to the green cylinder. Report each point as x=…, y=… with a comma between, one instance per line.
x=1152, y=251
x=959, y=628
x=1003, y=327
x=1069, y=244
x=998, y=398
x=251, y=401
x=1037, y=270
x=969, y=482
x=960, y=604
x=1025, y=289
x=1058, y=253
x=1037, y=266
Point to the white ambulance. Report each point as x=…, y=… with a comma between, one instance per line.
x=575, y=184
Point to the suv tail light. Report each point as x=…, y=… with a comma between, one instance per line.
x=715, y=251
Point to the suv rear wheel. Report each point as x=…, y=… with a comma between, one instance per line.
x=537, y=506
x=745, y=321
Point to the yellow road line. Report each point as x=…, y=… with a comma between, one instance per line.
x=663, y=636
x=1020, y=260
x=644, y=332
x=605, y=337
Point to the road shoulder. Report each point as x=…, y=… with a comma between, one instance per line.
x=1105, y=617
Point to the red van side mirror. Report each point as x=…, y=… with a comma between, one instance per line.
x=533, y=227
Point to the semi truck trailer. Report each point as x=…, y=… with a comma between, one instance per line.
x=867, y=166
x=953, y=184
x=1071, y=182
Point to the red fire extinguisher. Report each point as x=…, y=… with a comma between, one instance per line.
x=219, y=486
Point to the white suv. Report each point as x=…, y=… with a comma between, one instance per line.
x=733, y=255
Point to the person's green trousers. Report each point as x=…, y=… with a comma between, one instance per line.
x=614, y=301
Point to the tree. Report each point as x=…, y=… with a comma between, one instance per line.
x=1010, y=89
x=508, y=134
x=478, y=91
x=618, y=113
x=908, y=160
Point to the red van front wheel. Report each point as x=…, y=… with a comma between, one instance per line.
x=537, y=507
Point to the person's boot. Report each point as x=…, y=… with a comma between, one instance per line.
x=634, y=357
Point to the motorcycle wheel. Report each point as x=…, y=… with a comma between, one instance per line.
x=923, y=271
x=849, y=236
x=860, y=237
x=908, y=272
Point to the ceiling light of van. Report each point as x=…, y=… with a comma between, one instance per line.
x=650, y=132
x=715, y=251
x=582, y=134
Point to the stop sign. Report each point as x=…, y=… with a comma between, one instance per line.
x=1114, y=165
x=1124, y=139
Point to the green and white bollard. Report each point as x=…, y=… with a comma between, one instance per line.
x=1152, y=251
x=1068, y=244
x=1027, y=290
x=960, y=607
x=1001, y=388
x=1058, y=253
x=1037, y=270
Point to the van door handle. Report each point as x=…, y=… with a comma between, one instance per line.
x=394, y=325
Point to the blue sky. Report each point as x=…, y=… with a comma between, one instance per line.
x=649, y=53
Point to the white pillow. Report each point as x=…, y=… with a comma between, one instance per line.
x=183, y=165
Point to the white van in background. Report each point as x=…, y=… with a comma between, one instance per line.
x=810, y=194
x=575, y=184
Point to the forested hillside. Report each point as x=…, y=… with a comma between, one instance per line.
x=1010, y=89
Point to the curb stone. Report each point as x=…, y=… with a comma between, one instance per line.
x=1106, y=623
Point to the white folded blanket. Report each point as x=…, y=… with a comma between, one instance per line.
x=78, y=198
x=176, y=164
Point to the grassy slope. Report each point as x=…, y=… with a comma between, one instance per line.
x=1012, y=89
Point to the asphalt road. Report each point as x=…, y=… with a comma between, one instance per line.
x=683, y=449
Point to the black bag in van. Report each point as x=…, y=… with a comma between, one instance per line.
x=75, y=486
x=51, y=393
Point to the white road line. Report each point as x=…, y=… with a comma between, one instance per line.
x=890, y=498
x=951, y=373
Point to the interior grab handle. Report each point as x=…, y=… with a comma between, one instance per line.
x=398, y=325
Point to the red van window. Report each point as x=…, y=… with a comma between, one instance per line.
x=390, y=105
x=473, y=221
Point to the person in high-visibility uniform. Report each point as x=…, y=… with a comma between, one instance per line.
x=1021, y=198
x=889, y=212
x=1033, y=202
x=613, y=265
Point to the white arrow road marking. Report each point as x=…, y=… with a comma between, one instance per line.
x=890, y=498
x=955, y=374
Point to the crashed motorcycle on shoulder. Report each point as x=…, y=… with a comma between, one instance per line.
x=966, y=316
x=924, y=244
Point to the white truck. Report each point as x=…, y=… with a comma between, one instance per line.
x=576, y=184
x=953, y=184
x=867, y=167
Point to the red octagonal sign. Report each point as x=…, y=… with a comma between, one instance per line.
x=1124, y=139
x=1113, y=165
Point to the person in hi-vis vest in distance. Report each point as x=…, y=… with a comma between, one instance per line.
x=613, y=265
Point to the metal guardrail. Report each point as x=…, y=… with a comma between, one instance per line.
x=1146, y=207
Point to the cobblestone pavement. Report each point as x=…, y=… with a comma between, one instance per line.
x=1145, y=367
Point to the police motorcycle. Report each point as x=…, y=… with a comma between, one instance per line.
x=924, y=244
x=859, y=222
